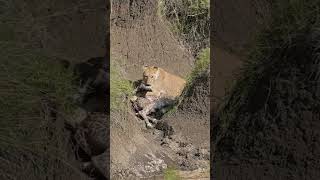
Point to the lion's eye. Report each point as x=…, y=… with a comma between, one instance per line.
x=151, y=76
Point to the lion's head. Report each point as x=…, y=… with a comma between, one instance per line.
x=150, y=74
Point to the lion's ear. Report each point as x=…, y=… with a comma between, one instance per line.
x=157, y=73
x=144, y=67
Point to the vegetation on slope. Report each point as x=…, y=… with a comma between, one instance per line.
x=280, y=50
x=35, y=98
x=35, y=91
x=200, y=70
x=202, y=64
x=120, y=88
x=171, y=174
x=277, y=87
x=189, y=19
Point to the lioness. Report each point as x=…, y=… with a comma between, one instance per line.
x=162, y=83
x=161, y=89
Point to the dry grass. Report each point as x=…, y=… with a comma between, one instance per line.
x=34, y=88
x=190, y=20
x=280, y=78
x=33, y=142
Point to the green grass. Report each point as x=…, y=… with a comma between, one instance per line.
x=171, y=174
x=120, y=88
x=201, y=67
x=202, y=64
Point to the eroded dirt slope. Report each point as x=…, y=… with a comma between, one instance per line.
x=139, y=37
x=263, y=146
x=236, y=21
x=72, y=30
x=191, y=126
x=225, y=66
x=191, y=120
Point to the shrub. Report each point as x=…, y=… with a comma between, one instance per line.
x=190, y=19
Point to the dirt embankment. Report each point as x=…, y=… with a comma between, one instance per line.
x=236, y=21
x=192, y=119
x=72, y=30
x=234, y=26
x=257, y=145
x=190, y=140
x=139, y=37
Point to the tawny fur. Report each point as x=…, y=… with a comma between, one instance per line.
x=162, y=83
x=162, y=88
